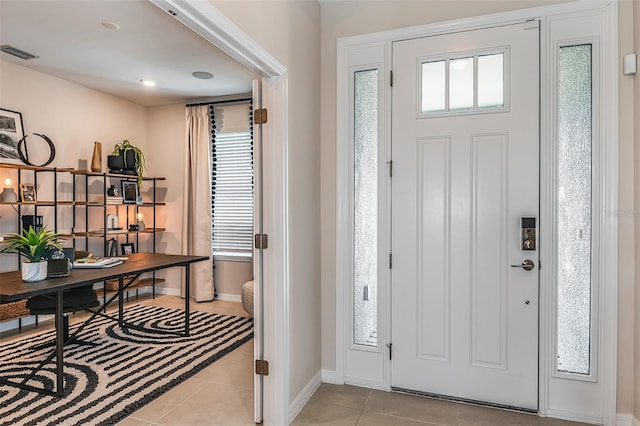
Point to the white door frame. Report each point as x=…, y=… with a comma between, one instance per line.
x=207, y=21
x=606, y=326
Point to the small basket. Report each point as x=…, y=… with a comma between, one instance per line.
x=13, y=309
x=111, y=285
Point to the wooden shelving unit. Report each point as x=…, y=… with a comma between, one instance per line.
x=86, y=203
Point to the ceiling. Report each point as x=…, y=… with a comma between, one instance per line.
x=71, y=43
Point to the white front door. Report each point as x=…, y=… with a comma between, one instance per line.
x=465, y=174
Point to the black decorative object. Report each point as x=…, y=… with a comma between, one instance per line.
x=24, y=155
x=32, y=221
x=112, y=191
x=122, y=165
x=133, y=159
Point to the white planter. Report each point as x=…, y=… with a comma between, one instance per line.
x=32, y=272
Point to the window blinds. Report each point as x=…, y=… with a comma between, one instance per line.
x=232, y=177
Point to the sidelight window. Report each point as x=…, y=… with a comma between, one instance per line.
x=574, y=200
x=365, y=201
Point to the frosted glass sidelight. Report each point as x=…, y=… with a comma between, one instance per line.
x=365, y=200
x=491, y=81
x=433, y=87
x=461, y=84
x=574, y=209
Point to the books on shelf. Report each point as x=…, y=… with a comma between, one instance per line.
x=102, y=231
x=98, y=262
x=110, y=200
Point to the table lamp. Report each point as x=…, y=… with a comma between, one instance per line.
x=8, y=195
x=139, y=217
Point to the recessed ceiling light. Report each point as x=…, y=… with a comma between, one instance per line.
x=148, y=83
x=111, y=25
x=203, y=75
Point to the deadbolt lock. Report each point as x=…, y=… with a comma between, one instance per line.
x=528, y=236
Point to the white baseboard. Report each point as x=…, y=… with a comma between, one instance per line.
x=627, y=419
x=230, y=297
x=304, y=396
x=14, y=324
x=168, y=291
x=221, y=296
x=329, y=376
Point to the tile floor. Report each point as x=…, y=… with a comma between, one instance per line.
x=222, y=394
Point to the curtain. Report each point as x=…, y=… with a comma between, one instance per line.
x=196, y=217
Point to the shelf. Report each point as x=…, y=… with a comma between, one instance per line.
x=35, y=168
x=40, y=203
x=99, y=204
x=112, y=285
x=99, y=234
x=114, y=175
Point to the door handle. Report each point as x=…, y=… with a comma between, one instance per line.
x=527, y=265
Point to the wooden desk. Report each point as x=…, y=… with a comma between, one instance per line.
x=13, y=288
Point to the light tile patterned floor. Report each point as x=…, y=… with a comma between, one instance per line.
x=222, y=394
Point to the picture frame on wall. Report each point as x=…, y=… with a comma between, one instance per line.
x=129, y=192
x=11, y=131
x=27, y=193
x=127, y=249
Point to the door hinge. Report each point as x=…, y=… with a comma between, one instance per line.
x=262, y=367
x=391, y=78
x=260, y=116
x=261, y=241
x=390, y=260
x=391, y=168
x=389, y=345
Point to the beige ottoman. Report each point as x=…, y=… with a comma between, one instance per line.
x=247, y=297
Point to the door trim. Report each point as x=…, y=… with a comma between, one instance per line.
x=207, y=21
x=608, y=244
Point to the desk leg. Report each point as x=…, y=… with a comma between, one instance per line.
x=59, y=344
x=120, y=301
x=187, y=297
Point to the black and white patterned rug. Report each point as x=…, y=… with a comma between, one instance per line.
x=127, y=368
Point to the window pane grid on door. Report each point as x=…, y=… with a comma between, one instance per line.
x=574, y=210
x=463, y=84
x=365, y=225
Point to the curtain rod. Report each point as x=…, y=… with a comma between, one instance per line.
x=221, y=102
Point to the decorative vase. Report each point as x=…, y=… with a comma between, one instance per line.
x=96, y=160
x=34, y=271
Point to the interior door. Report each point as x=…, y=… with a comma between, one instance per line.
x=258, y=294
x=465, y=179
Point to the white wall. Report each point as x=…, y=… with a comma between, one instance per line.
x=73, y=117
x=290, y=31
x=346, y=18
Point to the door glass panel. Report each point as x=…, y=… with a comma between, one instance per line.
x=365, y=244
x=491, y=81
x=574, y=209
x=433, y=86
x=461, y=84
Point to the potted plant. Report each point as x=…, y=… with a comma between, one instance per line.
x=32, y=246
x=126, y=157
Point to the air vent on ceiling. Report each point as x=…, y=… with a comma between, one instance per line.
x=17, y=52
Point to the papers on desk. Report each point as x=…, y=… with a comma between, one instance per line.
x=98, y=262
